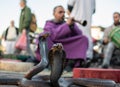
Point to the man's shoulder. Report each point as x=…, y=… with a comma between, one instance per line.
x=27, y=8
x=16, y=28
x=113, y=26
x=110, y=27
x=50, y=22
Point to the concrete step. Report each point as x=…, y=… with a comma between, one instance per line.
x=15, y=65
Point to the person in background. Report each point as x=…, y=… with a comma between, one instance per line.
x=83, y=10
x=24, y=24
x=11, y=35
x=108, y=51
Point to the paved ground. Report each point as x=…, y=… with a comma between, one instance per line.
x=21, y=74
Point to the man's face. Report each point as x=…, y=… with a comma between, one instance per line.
x=12, y=23
x=59, y=13
x=116, y=18
x=22, y=4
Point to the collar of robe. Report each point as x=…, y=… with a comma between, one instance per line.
x=57, y=22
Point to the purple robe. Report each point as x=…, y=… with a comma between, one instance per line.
x=74, y=43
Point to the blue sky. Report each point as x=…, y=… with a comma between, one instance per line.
x=10, y=10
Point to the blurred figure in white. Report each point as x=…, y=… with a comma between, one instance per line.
x=11, y=35
x=83, y=10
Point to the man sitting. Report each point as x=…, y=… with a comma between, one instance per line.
x=106, y=40
x=67, y=33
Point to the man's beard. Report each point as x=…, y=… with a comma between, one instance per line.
x=117, y=23
x=63, y=18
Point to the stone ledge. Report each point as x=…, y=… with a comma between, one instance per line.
x=15, y=65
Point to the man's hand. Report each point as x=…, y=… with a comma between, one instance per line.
x=68, y=12
x=24, y=30
x=44, y=35
x=106, y=40
x=70, y=21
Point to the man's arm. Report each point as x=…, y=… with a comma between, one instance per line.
x=70, y=9
x=93, y=6
x=71, y=2
x=73, y=27
x=17, y=31
x=57, y=33
x=106, y=34
x=77, y=30
x=6, y=33
x=27, y=18
x=70, y=5
x=62, y=31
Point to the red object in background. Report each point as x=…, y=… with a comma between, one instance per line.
x=111, y=74
x=22, y=41
x=94, y=40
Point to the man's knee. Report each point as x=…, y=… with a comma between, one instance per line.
x=109, y=50
x=85, y=39
x=110, y=46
